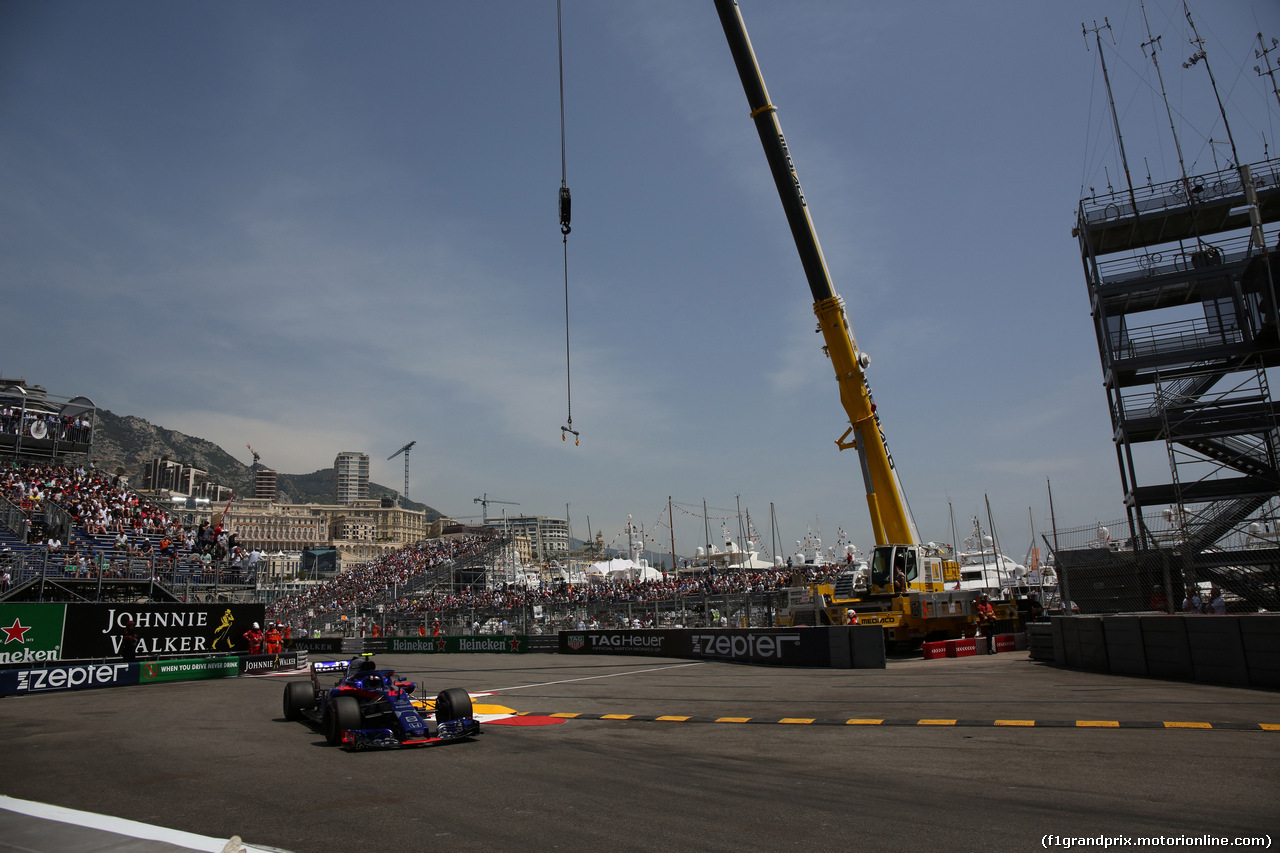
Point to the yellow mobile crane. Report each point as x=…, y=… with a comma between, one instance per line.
x=921, y=607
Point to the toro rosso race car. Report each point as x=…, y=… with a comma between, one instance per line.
x=372, y=708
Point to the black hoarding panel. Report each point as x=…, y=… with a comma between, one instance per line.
x=836, y=646
x=776, y=646
x=283, y=662
x=98, y=630
x=866, y=646
x=332, y=645
x=56, y=678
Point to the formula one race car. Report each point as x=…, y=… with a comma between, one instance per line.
x=371, y=708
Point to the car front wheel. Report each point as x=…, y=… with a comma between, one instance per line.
x=344, y=713
x=453, y=704
x=298, y=696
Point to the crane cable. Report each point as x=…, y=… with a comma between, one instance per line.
x=565, y=205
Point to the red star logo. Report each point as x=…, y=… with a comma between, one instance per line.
x=440, y=644
x=16, y=633
x=515, y=645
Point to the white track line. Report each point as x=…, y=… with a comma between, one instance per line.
x=129, y=828
x=592, y=677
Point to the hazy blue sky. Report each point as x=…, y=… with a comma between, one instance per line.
x=325, y=226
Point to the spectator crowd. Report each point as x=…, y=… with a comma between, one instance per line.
x=380, y=579
x=119, y=526
x=383, y=582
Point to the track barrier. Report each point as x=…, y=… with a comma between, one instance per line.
x=835, y=646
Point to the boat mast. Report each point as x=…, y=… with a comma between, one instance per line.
x=1115, y=119
x=741, y=530
x=995, y=544
x=1032, y=550
x=773, y=539
x=955, y=550
x=671, y=517
x=706, y=529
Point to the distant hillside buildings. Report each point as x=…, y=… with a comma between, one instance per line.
x=165, y=475
x=548, y=537
x=357, y=527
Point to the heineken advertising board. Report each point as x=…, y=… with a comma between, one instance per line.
x=41, y=633
x=32, y=633
x=507, y=644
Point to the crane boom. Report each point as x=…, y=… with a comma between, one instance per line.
x=405, y=450
x=486, y=500
x=891, y=519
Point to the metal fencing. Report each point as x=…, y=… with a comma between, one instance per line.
x=1105, y=568
x=187, y=580
x=738, y=610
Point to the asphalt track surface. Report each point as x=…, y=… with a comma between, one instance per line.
x=216, y=758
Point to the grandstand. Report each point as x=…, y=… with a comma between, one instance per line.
x=74, y=534
x=69, y=532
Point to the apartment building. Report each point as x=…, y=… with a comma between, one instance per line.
x=548, y=537
x=350, y=477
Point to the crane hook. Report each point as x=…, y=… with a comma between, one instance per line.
x=566, y=204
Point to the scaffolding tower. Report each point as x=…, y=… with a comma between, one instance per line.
x=1183, y=291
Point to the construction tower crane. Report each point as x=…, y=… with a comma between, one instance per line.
x=256, y=457
x=486, y=500
x=405, y=450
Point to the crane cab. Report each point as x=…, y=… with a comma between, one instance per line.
x=923, y=569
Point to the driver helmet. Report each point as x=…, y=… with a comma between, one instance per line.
x=373, y=682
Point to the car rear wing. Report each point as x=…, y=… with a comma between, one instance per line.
x=327, y=668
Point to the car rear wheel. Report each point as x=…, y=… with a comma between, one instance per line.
x=344, y=713
x=298, y=696
x=453, y=704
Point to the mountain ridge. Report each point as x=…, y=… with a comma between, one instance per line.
x=126, y=444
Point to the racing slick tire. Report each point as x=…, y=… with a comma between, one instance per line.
x=298, y=696
x=453, y=704
x=344, y=713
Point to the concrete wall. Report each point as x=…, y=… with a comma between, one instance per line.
x=1234, y=650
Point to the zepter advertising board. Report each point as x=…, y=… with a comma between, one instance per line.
x=829, y=646
x=789, y=647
